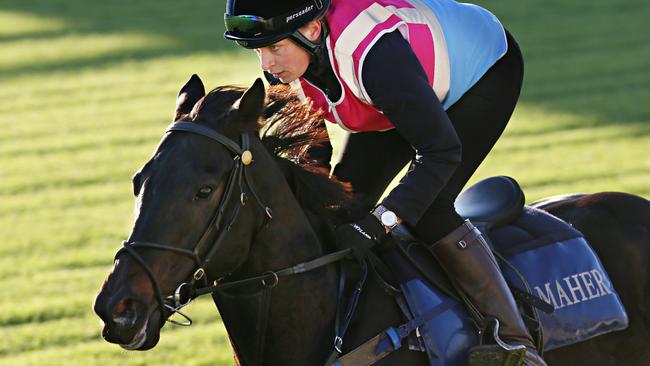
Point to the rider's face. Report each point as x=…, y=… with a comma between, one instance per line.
x=284, y=59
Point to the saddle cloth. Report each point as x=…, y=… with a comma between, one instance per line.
x=563, y=270
x=558, y=265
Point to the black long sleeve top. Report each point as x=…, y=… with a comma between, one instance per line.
x=399, y=87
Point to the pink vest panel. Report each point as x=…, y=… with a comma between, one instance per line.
x=355, y=26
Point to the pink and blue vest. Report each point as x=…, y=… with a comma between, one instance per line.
x=456, y=44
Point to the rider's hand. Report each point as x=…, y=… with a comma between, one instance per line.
x=361, y=235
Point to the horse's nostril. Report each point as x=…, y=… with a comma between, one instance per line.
x=124, y=313
x=122, y=306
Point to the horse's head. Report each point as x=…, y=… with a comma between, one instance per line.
x=189, y=201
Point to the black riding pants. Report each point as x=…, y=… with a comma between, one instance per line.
x=370, y=160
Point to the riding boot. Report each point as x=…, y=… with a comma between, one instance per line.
x=466, y=257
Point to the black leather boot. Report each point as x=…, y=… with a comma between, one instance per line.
x=466, y=257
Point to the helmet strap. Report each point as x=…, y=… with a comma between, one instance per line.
x=313, y=48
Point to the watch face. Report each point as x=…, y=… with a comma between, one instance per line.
x=389, y=218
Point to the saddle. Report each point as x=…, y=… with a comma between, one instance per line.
x=548, y=264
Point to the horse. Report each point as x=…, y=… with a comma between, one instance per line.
x=270, y=258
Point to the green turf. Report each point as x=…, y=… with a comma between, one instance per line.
x=87, y=87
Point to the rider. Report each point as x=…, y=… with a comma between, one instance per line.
x=413, y=80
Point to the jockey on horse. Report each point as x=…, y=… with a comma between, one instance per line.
x=413, y=81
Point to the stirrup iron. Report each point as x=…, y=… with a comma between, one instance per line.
x=501, y=343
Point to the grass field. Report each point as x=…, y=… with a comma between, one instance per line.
x=86, y=89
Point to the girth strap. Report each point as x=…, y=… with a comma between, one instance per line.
x=388, y=341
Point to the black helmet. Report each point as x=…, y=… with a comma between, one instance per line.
x=259, y=23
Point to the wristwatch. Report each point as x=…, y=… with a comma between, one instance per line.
x=387, y=217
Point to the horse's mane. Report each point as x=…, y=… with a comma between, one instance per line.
x=290, y=128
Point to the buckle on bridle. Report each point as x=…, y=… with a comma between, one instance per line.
x=198, y=274
x=274, y=282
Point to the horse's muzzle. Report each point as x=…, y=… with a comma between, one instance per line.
x=127, y=319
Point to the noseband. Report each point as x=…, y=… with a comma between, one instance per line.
x=237, y=181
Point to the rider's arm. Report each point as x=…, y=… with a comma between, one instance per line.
x=398, y=86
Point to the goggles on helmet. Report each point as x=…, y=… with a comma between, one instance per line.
x=252, y=31
x=249, y=24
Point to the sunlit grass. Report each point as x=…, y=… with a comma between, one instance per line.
x=42, y=53
x=18, y=23
x=571, y=159
x=75, y=340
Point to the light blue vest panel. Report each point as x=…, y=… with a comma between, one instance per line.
x=475, y=41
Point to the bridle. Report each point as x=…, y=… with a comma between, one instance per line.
x=237, y=181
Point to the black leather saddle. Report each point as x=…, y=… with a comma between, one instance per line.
x=492, y=202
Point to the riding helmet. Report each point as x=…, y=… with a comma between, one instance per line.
x=260, y=23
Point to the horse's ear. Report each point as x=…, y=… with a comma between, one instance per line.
x=190, y=93
x=251, y=105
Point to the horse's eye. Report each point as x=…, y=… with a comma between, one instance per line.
x=204, y=192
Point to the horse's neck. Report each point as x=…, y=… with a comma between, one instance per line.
x=302, y=310
x=288, y=238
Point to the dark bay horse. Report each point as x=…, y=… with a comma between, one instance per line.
x=191, y=228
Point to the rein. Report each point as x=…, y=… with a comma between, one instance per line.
x=187, y=291
x=238, y=179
